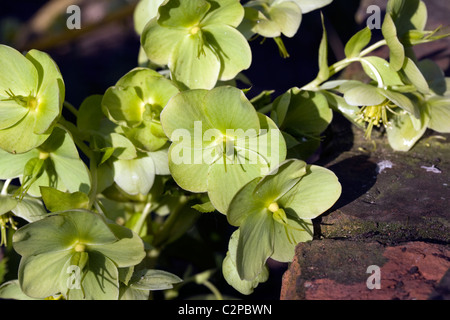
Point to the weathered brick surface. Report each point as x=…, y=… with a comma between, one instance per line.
x=337, y=270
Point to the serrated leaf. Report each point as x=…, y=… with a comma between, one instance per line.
x=206, y=207
x=56, y=200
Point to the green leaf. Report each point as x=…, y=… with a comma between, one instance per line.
x=434, y=76
x=206, y=207
x=358, y=42
x=396, y=50
x=90, y=115
x=379, y=69
x=415, y=76
x=407, y=14
x=308, y=114
x=56, y=200
x=402, y=101
x=30, y=209
x=361, y=94
x=324, y=71
x=7, y=203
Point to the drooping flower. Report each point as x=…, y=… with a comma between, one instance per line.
x=121, y=161
x=198, y=41
x=219, y=142
x=274, y=213
x=75, y=254
x=135, y=104
x=55, y=163
x=31, y=97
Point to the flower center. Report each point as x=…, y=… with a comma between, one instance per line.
x=273, y=207
x=194, y=30
x=374, y=116
x=43, y=155
x=80, y=247
x=29, y=101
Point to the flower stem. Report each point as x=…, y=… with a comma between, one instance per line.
x=71, y=108
x=213, y=289
x=5, y=187
x=342, y=64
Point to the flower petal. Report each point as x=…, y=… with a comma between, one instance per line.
x=194, y=64
x=255, y=244
x=18, y=73
x=229, y=12
x=286, y=238
x=159, y=42
x=315, y=193
x=231, y=48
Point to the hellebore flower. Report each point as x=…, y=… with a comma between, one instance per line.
x=274, y=213
x=31, y=97
x=55, y=163
x=121, y=161
x=406, y=103
x=273, y=18
x=198, y=41
x=76, y=254
x=30, y=209
x=135, y=103
x=219, y=142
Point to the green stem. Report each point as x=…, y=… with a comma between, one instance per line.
x=139, y=224
x=5, y=187
x=342, y=64
x=213, y=289
x=71, y=108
